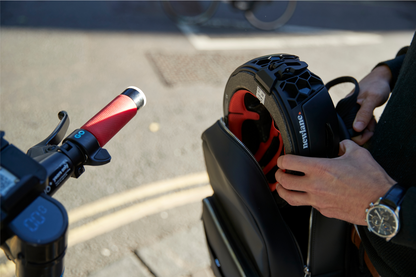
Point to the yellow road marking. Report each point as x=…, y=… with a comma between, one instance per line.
x=141, y=192
x=128, y=215
x=7, y=269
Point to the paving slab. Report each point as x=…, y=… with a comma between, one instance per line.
x=181, y=254
x=126, y=267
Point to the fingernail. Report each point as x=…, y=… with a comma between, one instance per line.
x=359, y=125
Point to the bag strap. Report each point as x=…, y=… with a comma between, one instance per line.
x=348, y=107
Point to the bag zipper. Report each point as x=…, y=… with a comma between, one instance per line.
x=307, y=272
x=306, y=267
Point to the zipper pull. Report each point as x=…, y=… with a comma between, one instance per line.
x=307, y=272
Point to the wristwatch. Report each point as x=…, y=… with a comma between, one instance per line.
x=383, y=216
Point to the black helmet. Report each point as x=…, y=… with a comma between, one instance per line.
x=275, y=105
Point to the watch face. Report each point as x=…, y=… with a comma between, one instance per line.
x=382, y=221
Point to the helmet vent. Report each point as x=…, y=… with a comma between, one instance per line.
x=298, y=88
x=263, y=62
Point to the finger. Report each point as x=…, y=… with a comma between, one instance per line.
x=363, y=138
x=290, y=181
x=346, y=146
x=293, y=198
x=364, y=115
x=366, y=134
x=372, y=125
x=296, y=163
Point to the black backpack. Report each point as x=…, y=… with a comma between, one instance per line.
x=250, y=230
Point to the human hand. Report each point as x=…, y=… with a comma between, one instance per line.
x=374, y=92
x=340, y=188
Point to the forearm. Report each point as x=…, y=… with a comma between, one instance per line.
x=394, y=65
x=407, y=234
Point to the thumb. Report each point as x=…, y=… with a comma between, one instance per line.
x=346, y=146
x=364, y=115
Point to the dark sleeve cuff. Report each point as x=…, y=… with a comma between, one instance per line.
x=407, y=233
x=395, y=65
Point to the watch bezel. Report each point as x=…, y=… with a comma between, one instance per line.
x=393, y=213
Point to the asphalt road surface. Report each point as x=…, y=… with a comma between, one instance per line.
x=140, y=214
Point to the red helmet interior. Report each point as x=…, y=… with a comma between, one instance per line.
x=252, y=124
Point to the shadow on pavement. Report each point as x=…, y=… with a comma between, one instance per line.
x=148, y=16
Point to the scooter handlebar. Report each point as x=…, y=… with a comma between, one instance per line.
x=107, y=122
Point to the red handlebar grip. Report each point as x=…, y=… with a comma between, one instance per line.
x=106, y=123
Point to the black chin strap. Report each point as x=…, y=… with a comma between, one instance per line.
x=348, y=107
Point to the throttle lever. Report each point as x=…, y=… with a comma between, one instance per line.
x=94, y=154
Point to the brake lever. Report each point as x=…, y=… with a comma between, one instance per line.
x=50, y=143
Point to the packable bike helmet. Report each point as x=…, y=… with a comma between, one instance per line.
x=275, y=105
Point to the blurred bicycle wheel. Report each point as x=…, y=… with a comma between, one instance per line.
x=269, y=15
x=190, y=12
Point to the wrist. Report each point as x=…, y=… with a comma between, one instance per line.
x=383, y=72
x=382, y=217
